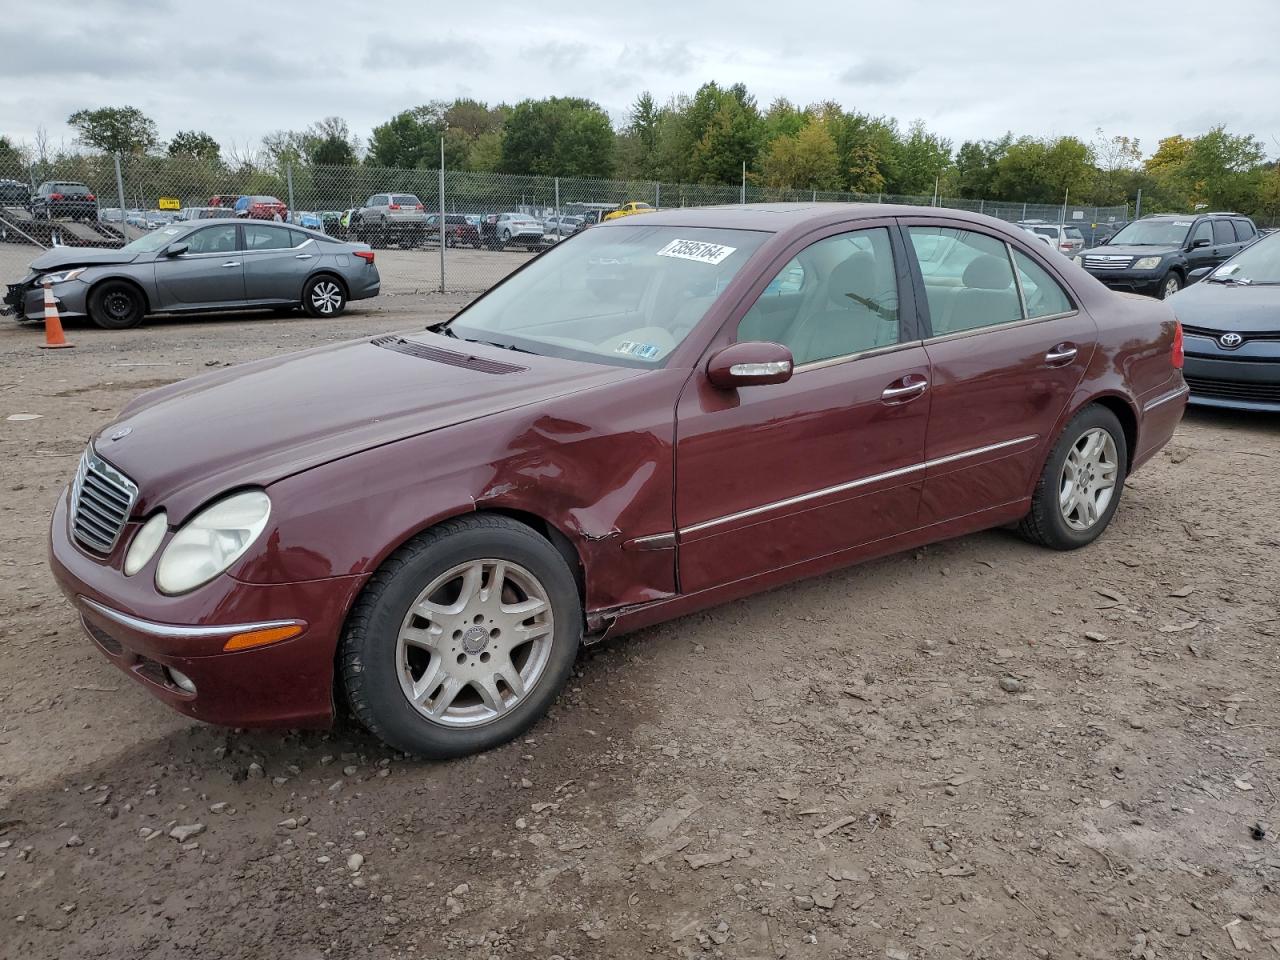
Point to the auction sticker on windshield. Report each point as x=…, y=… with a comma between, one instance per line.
x=712, y=253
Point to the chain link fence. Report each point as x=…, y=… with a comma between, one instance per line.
x=489, y=223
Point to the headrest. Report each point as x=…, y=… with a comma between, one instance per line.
x=855, y=274
x=988, y=272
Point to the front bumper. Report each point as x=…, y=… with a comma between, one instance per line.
x=147, y=635
x=1241, y=384
x=1130, y=281
x=71, y=298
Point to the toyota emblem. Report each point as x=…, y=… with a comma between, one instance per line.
x=1229, y=341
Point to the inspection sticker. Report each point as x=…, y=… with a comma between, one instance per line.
x=712, y=253
x=645, y=351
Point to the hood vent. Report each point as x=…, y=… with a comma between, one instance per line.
x=424, y=352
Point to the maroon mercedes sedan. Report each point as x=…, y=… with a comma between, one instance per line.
x=655, y=416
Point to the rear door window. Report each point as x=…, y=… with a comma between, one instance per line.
x=263, y=237
x=1043, y=295
x=968, y=280
x=1223, y=232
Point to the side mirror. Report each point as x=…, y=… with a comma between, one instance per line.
x=176, y=249
x=1198, y=274
x=749, y=364
x=1200, y=242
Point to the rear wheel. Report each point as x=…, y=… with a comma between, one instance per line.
x=116, y=305
x=1171, y=285
x=1079, y=490
x=462, y=639
x=323, y=296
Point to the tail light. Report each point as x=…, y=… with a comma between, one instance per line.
x=55, y=196
x=365, y=255
x=393, y=206
x=90, y=196
x=419, y=207
x=1178, y=357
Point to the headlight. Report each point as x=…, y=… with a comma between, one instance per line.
x=212, y=541
x=1079, y=261
x=1147, y=263
x=145, y=544
x=62, y=276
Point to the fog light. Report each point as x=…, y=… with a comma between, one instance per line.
x=180, y=680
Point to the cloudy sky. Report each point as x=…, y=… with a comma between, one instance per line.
x=970, y=69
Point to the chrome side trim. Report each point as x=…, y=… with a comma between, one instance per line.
x=655, y=541
x=853, y=484
x=874, y=352
x=952, y=458
x=170, y=630
x=992, y=328
x=1158, y=401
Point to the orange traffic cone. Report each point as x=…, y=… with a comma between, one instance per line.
x=53, y=337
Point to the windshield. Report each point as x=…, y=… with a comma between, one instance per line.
x=1259, y=263
x=624, y=296
x=1153, y=233
x=154, y=240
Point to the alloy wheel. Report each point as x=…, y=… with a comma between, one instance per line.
x=475, y=643
x=1171, y=286
x=326, y=296
x=1088, y=479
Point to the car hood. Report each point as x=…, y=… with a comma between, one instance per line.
x=254, y=424
x=1128, y=250
x=1229, y=307
x=57, y=257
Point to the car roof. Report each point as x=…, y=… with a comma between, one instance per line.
x=795, y=217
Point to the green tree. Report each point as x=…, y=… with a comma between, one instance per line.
x=783, y=119
x=12, y=158
x=805, y=160
x=922, y=158
x=976, y=164
x=485, y=153
x=195, y=145
x=329, y=142
x=1116, y=158
x=1044, y=171
x=727, y=130
x=638, y=143
x=558, y=136
x=115, y=129
x=409, y=139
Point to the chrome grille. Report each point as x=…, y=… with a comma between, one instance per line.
x=101, y=500
x=1110, y=262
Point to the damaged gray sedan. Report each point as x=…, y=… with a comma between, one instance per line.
x=199, y=266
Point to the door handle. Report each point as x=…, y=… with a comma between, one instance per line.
x=232, y=263
x=304, y=256
x=1061, y=355
x=908, y=391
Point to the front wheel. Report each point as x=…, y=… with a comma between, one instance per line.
x=1171, y=285
x=324, y=297
x=1079, y=490
x=116, y=305
x=462, y=639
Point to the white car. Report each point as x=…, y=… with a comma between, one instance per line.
x=1066, y=240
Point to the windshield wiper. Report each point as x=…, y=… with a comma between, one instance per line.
x=1243, y=281
x=495, y=343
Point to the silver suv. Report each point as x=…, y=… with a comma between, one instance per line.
x=390, y=218
x=1064, y=239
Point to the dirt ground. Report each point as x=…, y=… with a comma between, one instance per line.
x=980, y=749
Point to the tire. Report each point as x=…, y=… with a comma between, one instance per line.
x=116, y=305
x=1079, y=521
x=506, y=236
x=457, y=675
x=324, y=296
x=1170, y=285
